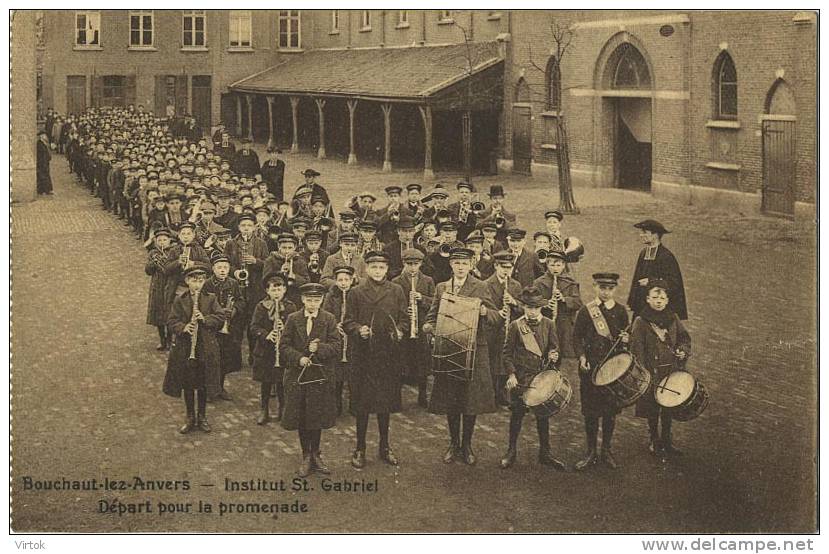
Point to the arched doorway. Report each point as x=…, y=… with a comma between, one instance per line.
x=626, y=86
x=779, y=153
x=522, y=130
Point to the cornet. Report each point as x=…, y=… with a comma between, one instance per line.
x=477, y=207
x=314, y=263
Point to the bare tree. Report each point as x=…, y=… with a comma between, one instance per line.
x=562, y=38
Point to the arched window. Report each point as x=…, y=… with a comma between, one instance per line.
x=553, y=80
x=780, y=99
x=725, y=88
x=631, y=69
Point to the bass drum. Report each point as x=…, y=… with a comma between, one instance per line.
x=682, y=395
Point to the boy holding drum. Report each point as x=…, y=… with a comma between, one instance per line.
x=600, y=327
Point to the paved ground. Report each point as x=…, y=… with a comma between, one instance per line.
x=87, y=401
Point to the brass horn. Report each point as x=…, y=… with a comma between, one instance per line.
x=477, y=207
x=325, y=224
x=573, y=249
x=444, y=250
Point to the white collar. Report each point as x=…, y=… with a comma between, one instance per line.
x=609, y=305
x=311, y=314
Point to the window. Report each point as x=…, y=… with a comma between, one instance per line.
x=141, y=29
x=87, y=29
x=240, y=35
x=289, y=29
x=366, y=22
x=725, y=93
x=193, y=29
x=631, y=68
x=113, y=90
x=553, y=81
x=402, y=18
x=335, y=20
x=444, y=16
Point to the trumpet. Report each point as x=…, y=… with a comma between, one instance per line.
x=184, y=259
x=413, y=308
x=288, y=270
x=314, y=263
x=225, y=330
x=500, y=222
x=276, y=322
x=344, y=357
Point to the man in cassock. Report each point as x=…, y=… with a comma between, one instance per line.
x=273, y=173
x=44, y=156
x=656, y=262
x=246, y=160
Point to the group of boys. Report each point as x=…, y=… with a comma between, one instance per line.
x=324, y=299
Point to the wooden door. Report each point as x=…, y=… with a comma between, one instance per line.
x=75, y=94
x=202, y=106
x=779, y=167
x=521, y=139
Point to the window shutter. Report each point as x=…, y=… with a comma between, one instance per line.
x=129, y=90
x=160, y=96
x=97, y=91
x=181, y=94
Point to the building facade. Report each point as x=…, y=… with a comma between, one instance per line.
x=704, y=107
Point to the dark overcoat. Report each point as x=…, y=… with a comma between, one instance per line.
x=310, y=406
x=452, y=395
x=376, y=372
x=657, y=357
x=158, y=309
x=523, y=268
x=597, y=348
x=264, y=351
x=416, y=357
x=175, y=279
x=207, y=372
x=498, y=330
x=245, y=162
x=230, y=345
x=567, y=308
x=663, y=266
x=274, y=263
x=257, y=248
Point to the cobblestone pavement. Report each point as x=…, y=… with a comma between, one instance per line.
x=87, y=401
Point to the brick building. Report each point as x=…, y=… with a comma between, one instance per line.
x=705, y=107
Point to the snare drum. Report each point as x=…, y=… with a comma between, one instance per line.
x=622, y=379
x=682, y=396
x=548, y=393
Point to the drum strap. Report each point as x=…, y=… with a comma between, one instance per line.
x=599, y=321
x=528, y=338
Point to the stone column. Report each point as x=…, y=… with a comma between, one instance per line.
x=321, y=109
x=426, y=114
x=23, y=107
x=190, y=94
x=387, y=121
x=249, y=101
x=352, y=152
x=238, y=132
x=270, y=100
x=294, y=105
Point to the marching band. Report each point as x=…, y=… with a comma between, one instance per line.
x=360, y=303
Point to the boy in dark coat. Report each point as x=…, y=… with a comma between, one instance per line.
x=562, y=294
x=157, y=305
x=656, y=262
x=600, y=332
x=504, y=291
x=375, y=319
x=310, y=345
x=267, y=326
x=531, y=346
x=335, y=303
x=660, y=342
x=415, y=358
x=195, y=316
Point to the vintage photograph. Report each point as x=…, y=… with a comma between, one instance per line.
x=414, y=271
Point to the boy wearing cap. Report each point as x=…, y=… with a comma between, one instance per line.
x=206, y=228
x=181, y=257
x=524, y=259
x=419, y=288
x=541, y=241
x=229, y=295
x=334, y=303
x=413, y=207
x=368, y=237
x=552, y=220
x=291, y=264
x=662, y=345
x=347, y=255
x=310, y=345
x=273, y=173
x=484, y=267
x=504, y=291
x=563, y=300
x=267, y=325
x=195, y=316
x=314, y=255
x=598, y=325
x=530, y=347
x=656, y=262
x=403, y=240
x=157, y=305
x=389, y=215
x=462, y=400
x=376, y=315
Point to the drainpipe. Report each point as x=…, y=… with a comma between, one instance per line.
x=423, y=27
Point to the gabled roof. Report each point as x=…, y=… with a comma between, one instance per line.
x=416, y=73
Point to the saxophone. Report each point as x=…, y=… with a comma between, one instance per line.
x=344, y=357
x=413, y=308
x=276, y=320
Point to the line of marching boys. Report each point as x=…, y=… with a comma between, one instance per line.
x=324, y=300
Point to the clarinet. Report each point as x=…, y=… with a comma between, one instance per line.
x=344, y=357
x=507, y=316
x=276, y=321
x=195, y=322
x=413, y=308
